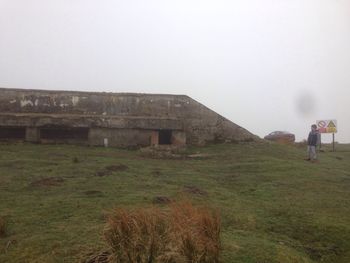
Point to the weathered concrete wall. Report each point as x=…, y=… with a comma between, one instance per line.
x=198, y=124
x=119, y=137
x=117, y=122
x=130, y=137
x=89, y=103
x=178, y=138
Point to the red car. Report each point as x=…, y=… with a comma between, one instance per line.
x=281, y=137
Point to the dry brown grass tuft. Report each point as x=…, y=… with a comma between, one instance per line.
x=136, y=236
x=197, y=230
x=182, y=234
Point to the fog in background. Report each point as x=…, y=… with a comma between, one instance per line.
x=264, y=64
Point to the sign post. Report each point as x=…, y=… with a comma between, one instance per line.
x=328, y=126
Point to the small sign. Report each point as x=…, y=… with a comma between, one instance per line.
x=327, y=126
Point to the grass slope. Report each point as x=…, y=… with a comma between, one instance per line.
x=275, y=206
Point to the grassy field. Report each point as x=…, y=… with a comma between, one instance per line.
x=275, y=207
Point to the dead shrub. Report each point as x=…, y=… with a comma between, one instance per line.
x=136, y=236
x=183, y=233
x=197, y=230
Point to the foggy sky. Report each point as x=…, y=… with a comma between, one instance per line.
x=264, y=64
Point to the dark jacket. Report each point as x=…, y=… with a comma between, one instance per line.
x=312, y=139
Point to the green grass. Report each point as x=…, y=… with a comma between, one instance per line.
x=275, y=206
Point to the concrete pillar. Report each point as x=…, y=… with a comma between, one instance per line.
x=32, y=134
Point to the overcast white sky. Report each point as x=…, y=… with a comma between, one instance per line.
x=264, y=64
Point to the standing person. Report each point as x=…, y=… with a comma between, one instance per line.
x=311, y=143
x=319, y=142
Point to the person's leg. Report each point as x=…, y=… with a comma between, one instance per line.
x=313, y=153
x=308, y=153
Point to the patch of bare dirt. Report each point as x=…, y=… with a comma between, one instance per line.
x=171, y=152
x=162, y=200
x=191, y=189
x=102, y=173
x=118, y=167
x=163, y=152
x=108, y=170
x=49, y=181
x=54, y=154
x=198, y=156
x=3, y=226
x=156, y=173
x=93, y=193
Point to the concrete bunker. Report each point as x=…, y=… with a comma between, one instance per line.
x=121, y=119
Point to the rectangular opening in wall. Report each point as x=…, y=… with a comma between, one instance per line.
x=64, y=134
x=12, y=133
x=165, y=137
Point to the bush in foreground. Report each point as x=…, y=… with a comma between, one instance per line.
x=183, y=233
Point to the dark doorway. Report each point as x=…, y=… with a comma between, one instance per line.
x=165, y=137
x=64, y=134
x=12, y=133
